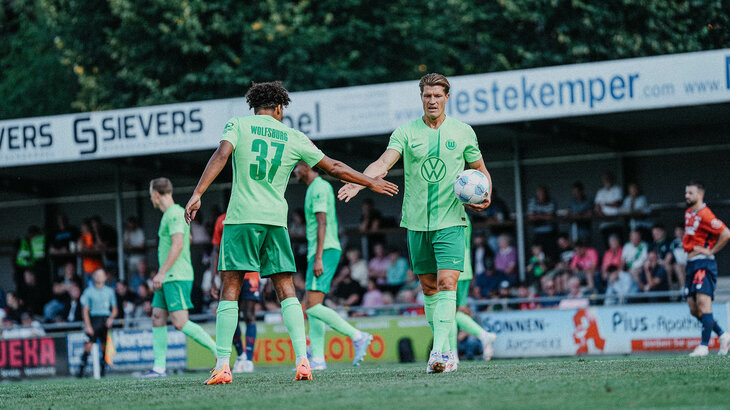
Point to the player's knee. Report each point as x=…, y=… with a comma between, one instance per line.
x=178, y=324
x=446, y=284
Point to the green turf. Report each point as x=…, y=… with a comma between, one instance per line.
x=637, y=381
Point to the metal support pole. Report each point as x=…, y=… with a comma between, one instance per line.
x=120, y=223
x=519, y=213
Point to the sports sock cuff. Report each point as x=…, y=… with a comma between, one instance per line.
x=224, y=305
x=315, y=309
x=430, y=299
x=289, y=302
x=447, y=295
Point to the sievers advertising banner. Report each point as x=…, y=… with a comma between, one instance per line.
x=599, y=330
x=492, y=98
x=273, y=346
x=133, y=350
x=32, y=357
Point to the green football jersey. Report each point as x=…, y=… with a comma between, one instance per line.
x=173, y=222
x=432, y=159
x=468, y=273
x=265, y=152
x=320, y=197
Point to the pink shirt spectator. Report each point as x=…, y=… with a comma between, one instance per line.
x=587, y=261
x=372, y=298
x=611, y=257
x=379, y=265
x=506, y=259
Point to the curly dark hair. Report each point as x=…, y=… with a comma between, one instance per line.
x=267, y=95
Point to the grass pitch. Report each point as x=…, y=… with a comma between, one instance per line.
x=635, y=381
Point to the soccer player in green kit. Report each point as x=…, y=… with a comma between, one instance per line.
x=323, y=255
x=174, y=279
x=255, y=238
x=434, y=149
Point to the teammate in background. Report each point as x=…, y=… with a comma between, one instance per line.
x=174, y=280
x=434, y=149
x=704, y=236
x=323, y=256
x=464, y=320
x=250, y=295
x=255, y=237
x=99, y=310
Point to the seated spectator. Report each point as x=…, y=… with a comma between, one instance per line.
x=72, y=311
x=584, y=264
x=608, y=203
x=581, y=208
x=636, y=205
x=574, y=290
x=612, y=256
x=31, y=248
x=633, y=254
x=537, y=264
x=88, y=245
x=126, y=299
x=104, y=234
x=347, y=291
x=541, y=213
x=523, y=292
x=358, y=267
x=133, y=238
x=34, y=297
x=505, y=262
x=548, y=291
x=679, y=257
x=487, y=282
x=62, y=240
x=574, y=299
x=653, y=277
x=373, y=296
x=482, y=257
x=497, y=212
x=378, y=265
x=142, y=275
x=14, y=307
x=61, y=288
x=371, y=221
x=662, y=246
x=562, y=267
x=620, y=284
x=411, y=282
x=396, y=273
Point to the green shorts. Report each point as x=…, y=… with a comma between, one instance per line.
x=174, y=296
x=256, y=248
x=462, y=291
x=330, y=260
x=434, y=250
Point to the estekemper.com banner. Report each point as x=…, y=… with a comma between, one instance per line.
x=550, y=92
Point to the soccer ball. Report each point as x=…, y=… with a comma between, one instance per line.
x=471, y=187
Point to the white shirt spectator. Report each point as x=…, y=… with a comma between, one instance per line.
x=135, y=238
x=622, y=286
x=359, y=273
x=634, y=256
x=605, y=196
x=640, y=205
x=198, y=234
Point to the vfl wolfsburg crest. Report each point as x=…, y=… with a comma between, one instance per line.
x=450, y=144
x=433, y=169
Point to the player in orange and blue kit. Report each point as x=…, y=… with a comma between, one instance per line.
x=704, y=236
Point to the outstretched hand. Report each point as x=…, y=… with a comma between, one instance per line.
x=191, y=209
x=382, y=186
x=348, y=191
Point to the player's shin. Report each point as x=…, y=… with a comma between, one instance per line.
x=708, y=322
x=197, y=333
x=237, y=341
x=453, y=338
x=334, y=320
x=225, y=326
x=291, y=312
x=250, y=340
x=429, y=305
x=316, y=336
x=443, y=319
x=467, y=324
x=159, y=347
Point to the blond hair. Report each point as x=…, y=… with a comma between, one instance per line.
x=433, y=79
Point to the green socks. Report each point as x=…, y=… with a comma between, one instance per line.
x=226, y=323
x=467, y=324
x=159, y=347
x=454, y=338
x=334, y=320
x=429, y=304
x=195, y=332
x=443, y=319
x=291, y=311
x=316, y=336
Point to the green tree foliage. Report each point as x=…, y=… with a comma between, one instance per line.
x=140, y=52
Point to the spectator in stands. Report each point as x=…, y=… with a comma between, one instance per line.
x=88, y=243
x=653, y=277
x=397, y=270
x=584, y=264
x=636, y=205
x=105, y=235
x=14, y=307
x=537, y=264
x=620, y=284
x=541, y=213
x=574, y=290
x=378, y=265
x=31, y=249
x=482, y=257
x=198, y=232
x=134, y=239
x=143, y=306
x=370, y=218
x=373, y=296
x=662, y=246
x=548, y=291
x=565, y=245
x=679, y=257
x=612, y=256
x=72, y=311
x=633, y=254
x=608, y=203
x=496, y=214
x=523, y=292
x=487, y=282
x=63, y=239
x=358, y=267
x=347, y=291
x=34, y=297
x=61, y=293
x=505, y=262
x=141, y=275
x=126, y=299
x=581, y=208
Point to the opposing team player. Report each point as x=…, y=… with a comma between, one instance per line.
x=255, y=238
x=323, y=256
x=250, y=295
x=464, y=320
x=174, y=279
x=434, y=149
x=704, y=236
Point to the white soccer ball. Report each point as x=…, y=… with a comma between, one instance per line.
x=471, y=187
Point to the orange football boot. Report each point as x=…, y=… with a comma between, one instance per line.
x=304, y=372
x=222, y=376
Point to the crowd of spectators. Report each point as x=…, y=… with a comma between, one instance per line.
x=630, y=254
